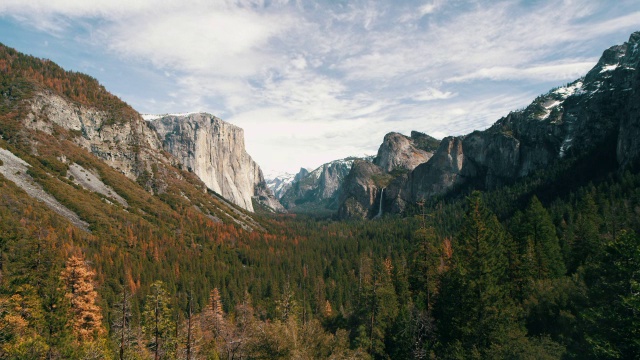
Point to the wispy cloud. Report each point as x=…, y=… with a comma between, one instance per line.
x=432, y=94
x=311, y=81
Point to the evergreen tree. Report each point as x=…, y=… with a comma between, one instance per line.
x=20, y=316
x=427, y=261
x=215, y=322
x=157, y=322
x=378, y=308
x=191, y=335
x=122, y=330
x=473, y=310
x=613, y=320
x=586, y=244
x=540, y=242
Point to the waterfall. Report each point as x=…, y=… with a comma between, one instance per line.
x=380, y=207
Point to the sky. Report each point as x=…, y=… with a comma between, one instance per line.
x=312, y=81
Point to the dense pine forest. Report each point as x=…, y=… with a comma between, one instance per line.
x=544, y=268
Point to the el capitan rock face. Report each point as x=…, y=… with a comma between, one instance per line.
x=214, y=150
x=211, y=148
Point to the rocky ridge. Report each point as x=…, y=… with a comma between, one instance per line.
x=599, y=111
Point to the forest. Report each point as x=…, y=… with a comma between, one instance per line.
x=451, y=280
x=543, y=268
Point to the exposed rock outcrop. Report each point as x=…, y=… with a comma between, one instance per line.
x=92, y=182
x=361, y=190
x=401, y=152
x=214, y=150
x=210, y=147
x=442, y=173
x=15, y=170
x=628, y=146
x=127, y=145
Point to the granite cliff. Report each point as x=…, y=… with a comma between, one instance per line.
x=399, y=152
x=214, y=150
x=200, y=143
x=370, y=183
x=128, y=145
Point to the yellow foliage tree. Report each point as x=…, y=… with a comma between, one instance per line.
x=87, y=315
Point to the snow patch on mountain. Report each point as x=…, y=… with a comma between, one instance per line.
x=609, y=68
x=567, y=91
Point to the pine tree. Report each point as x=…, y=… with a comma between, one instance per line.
x=191, y=341
x=215, y=308
x=613, y=320
x=425, y=267
x=287, y=305
x=157, y=322
x=122, y=330
x=378, y=308
x=473, y=310
x=540, y=235
x=586, y=243
x=87, y=315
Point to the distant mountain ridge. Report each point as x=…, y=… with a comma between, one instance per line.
x=598, y=111
x=317, y=190
x=280, y=183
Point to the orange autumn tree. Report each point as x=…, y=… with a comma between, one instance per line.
x=87, y=316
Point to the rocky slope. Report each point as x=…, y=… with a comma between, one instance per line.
x=214, y=150
x=599, y=111
x=318, y=189
x=89, y=157
x=128, y=145
x=15, y=170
